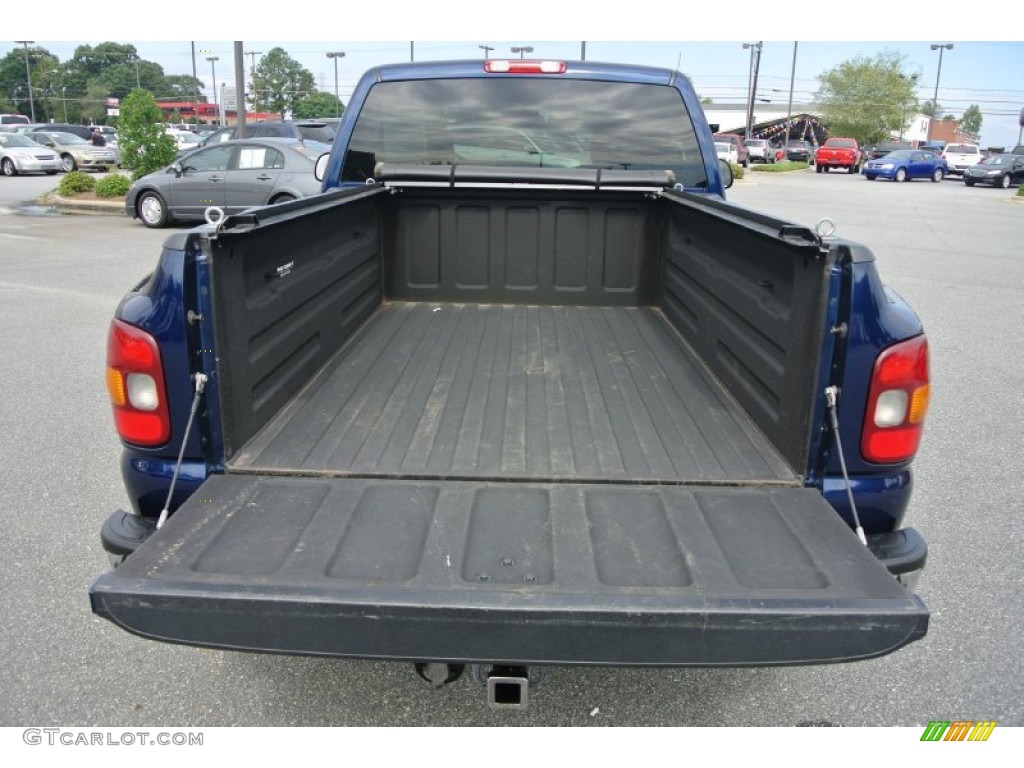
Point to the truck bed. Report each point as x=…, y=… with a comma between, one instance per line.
x=503, y=392
x=513, y=426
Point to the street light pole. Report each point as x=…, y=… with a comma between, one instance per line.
x=940, y=47
x=336, y=55
x=487, y=50
x=28, y=75
x=213, y=75
x=522, y=50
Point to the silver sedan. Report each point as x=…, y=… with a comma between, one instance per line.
x=232, y=176
x=19, y=154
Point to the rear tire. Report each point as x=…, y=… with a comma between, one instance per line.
x=818, y=168
x=968, y=182
x=282, y=199
x=1005, y=181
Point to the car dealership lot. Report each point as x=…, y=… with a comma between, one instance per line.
x=953, y=252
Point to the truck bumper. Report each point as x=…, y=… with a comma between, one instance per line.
x=512, y=573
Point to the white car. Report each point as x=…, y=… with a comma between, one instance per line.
x=960, y=157
x=186, y=140
x=19, y=154
x=761, y=150
x=727, y=151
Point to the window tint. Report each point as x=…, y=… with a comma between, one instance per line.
x=257, y=158
x=534, y=122
x=212, y=159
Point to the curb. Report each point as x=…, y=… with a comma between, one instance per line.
x=70, y=205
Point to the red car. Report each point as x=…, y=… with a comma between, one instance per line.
x=838, y=153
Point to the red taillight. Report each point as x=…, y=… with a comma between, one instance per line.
x=523, y=66
x=898, y=403
x=135, y=382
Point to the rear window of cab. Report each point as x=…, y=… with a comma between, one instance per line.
x=526, y=121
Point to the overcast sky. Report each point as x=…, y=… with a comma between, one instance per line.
x=977, y=71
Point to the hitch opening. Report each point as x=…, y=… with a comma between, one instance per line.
x=508, y=687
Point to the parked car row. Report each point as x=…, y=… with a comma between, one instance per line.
x=52, y=151
x=315, y=136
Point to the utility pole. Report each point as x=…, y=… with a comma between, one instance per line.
x=789, y=107
x=28, y=75
x=195, y=86
x=940, y=47
x=412, y=52
x=752, y=83
x=583, y=50
x=240, y=107
x=254, y=54
x=487, y=50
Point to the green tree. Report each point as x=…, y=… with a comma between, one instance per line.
x=182, y=88
x=319, y=104
x=280, y=82
x=145, y=146
x=14, y=80
x=122, y=79
x=971, y=120
x=92, y=106
x=867, y=99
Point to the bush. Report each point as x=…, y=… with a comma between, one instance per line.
x=75, y=182
x=1020, y=191
x=114, y=185
x=737, y=170
x=145, y=146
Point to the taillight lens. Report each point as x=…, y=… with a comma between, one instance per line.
x=898, y=403
x=135, y=382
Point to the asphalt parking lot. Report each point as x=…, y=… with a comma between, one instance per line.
x=954, y=253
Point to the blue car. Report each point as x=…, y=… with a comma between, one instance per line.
x=905, y=165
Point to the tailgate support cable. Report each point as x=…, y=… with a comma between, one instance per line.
x=201, y=379
x=831, y=395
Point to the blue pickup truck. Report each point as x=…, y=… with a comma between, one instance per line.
x=520, y=388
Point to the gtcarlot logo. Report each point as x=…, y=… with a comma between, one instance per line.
x=75, y=737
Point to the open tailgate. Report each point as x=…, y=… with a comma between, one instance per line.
x=530, y=573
